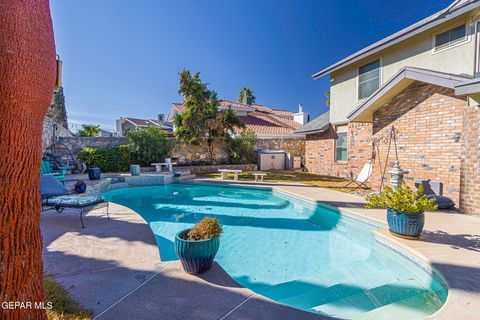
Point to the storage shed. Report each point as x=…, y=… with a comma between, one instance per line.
x=271, y=159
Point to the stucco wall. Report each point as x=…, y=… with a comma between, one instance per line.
x=414, y=52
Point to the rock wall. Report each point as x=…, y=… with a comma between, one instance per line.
x=192, y=154
x=76, y=144
x=52, y=131
x=296, y=147
x=57, y=111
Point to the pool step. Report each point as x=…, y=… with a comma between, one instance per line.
x=350, y=301
x=414, y=307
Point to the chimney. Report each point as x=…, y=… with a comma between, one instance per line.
x=247, y=100
x=161, y=118
x=301, y=117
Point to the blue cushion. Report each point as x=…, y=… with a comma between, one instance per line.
x=50, y=187
x=73, y=201
x=442, y=201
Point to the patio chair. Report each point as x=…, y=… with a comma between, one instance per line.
x=362, y=177
x=54, y=197
x=46, y=169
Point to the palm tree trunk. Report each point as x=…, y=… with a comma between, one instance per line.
x=27, y=78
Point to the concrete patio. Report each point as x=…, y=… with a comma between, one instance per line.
x=113, y=266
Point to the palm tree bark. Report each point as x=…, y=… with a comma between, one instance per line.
x=27, y=79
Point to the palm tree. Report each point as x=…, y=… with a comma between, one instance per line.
x=246, y=95
x=89, y=130
x=27, y=75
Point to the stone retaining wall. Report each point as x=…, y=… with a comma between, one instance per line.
x=52, y=131
x=76, y=144
x=296, y=147
x=214, y=168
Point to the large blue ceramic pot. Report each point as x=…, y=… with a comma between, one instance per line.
x=404, y=224
x=135, y=170
x=196, y=255
x=94, y=173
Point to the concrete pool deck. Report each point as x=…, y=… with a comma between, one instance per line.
x=113, y=266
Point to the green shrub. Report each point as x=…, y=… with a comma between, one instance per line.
x=403, y=199
x=206, y=229
x=148, y=145
x=108, y=159
x=241, y=148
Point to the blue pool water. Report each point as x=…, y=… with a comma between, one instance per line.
x=309, y=257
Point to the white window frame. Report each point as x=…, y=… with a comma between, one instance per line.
x=340, y=129
x=468, y=36
x=358, y=77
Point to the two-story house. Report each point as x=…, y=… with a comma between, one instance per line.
x=424, y=81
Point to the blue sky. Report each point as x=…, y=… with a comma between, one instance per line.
x=122, y=58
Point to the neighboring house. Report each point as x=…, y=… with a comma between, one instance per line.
x=423, y=81
x=267, y=123
x=127, y=123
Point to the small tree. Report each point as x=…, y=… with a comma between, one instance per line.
x=149, y=145
x=241, y=149
x=202, y=122
x=89, y=130
x=245, y=95
x=327, y=98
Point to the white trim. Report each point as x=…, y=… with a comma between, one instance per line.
x=380, y=75
x=335, y=143
x=467, y=39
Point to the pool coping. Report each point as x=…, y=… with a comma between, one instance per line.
x=461, y=302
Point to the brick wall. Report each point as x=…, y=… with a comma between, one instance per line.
x=320, y=151
x=470, y=171
x=430, y=120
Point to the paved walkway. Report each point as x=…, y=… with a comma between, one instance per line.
x=113, y=266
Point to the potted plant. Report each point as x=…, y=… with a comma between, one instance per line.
x=405, y=209
x=197, y=247
x=80, y=186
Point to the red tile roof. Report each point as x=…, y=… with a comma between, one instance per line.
x=263, y=120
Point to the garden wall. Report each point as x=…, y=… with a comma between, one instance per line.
x=189, y=154
x=76, y=144
x=214, y=168
x=296, y=147
x=52, y=131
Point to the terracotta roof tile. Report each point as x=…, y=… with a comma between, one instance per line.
x=262, y=120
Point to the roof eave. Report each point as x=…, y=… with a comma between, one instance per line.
x=398, y=83
x=396, y=38
x=468, y=88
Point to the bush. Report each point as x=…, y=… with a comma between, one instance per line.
x=402, y=199
x=206, y=229
x=149, y=145
x=108, y=159
x=241, y=149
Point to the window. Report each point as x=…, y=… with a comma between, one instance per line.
x=341, y=144
x=450, y=37
x=368, y=79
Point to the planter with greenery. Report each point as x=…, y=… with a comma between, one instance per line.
x=198, y=246
x=405, y=209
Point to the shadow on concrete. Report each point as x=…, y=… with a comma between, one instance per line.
x=455, y=241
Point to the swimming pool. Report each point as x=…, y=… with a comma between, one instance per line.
x=310, y=257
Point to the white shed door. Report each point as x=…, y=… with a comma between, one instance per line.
x=273, y=162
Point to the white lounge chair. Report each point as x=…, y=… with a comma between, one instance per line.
x=362, y=177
